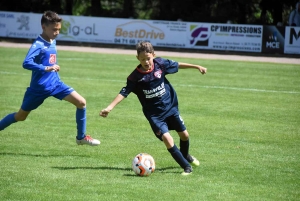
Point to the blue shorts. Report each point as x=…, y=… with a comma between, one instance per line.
x=33, y=99
x=160, y=127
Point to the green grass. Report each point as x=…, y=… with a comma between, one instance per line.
x=243, y=119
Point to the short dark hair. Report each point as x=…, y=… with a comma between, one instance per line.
x=144, y=46
x=50, y=17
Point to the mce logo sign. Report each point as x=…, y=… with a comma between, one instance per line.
x=273, y=41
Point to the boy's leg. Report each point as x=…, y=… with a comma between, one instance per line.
x=184, y=143
x=81, y=123
x=30, y=102
x=175, y=122
x=7, y=121
x=160, y=129
x=184, y=148
x=176, y=154
x=80, y=103
x=21, y=115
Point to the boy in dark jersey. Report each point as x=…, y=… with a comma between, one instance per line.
x=159, y=101
x=41, y=59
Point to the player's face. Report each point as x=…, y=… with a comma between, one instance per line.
x=51, y=31
x=146, y=60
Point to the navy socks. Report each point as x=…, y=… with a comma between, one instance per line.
x=184, y=147
x=177, y=155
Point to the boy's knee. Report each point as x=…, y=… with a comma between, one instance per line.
x=20, y=117
x=81, y=103
x=183, y=135
x=168, y=140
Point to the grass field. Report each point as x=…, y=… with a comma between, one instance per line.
x=243, y=119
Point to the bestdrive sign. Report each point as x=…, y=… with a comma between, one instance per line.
x=159, y=33
x=139, y=30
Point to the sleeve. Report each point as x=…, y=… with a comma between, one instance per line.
x=125, y=91
x=31, y=57
x=170, y=66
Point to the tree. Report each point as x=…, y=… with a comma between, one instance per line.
x=96, y=8
x=68, y=7
x=214, y=11
x=128, y=9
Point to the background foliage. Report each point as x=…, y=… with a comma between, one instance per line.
x=215, y=11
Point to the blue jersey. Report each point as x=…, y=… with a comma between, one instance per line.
x=154, y=91
x=41, y=54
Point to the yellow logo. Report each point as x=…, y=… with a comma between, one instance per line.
x=139, y=30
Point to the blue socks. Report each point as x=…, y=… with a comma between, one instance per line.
x=6, y=121
x=80, y=120
x=177, y=155
x=81, y=123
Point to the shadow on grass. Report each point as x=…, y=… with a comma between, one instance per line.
x=165, y=170
x=92, y=168
x=158, y=170
x=39, y=155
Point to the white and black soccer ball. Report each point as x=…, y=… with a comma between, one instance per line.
x=143, y=164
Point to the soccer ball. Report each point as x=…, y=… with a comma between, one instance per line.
x=143, y=164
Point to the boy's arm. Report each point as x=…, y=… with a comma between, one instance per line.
x=111, y=106
x=30, y=64
x=187, y=65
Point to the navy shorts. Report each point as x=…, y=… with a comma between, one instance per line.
x=33, y=99
x=160, y=127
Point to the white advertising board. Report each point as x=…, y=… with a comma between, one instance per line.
x=231, y=37
x=121, y=31
x=20, y=25
x=173, y=34
x=292, y=40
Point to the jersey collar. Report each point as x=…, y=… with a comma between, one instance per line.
x=138, y=68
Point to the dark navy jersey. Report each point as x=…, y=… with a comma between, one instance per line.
x=41, y=54
x=154, y=91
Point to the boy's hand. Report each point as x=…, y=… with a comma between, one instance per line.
x=104, y=112
x=202, y=70
x=54, y=68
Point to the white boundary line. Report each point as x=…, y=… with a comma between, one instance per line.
x=180, y=85
x=275, y=59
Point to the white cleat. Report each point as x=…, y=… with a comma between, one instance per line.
x=88, y=140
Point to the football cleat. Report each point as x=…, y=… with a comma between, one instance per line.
x=187, y=171
x=88, y=140
x=193, y=161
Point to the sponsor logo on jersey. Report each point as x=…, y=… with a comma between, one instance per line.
x=156, y=92
x=52, y=59
x=158, y=74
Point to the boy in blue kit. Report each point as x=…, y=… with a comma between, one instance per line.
x=159, y=101
x=41, y=59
